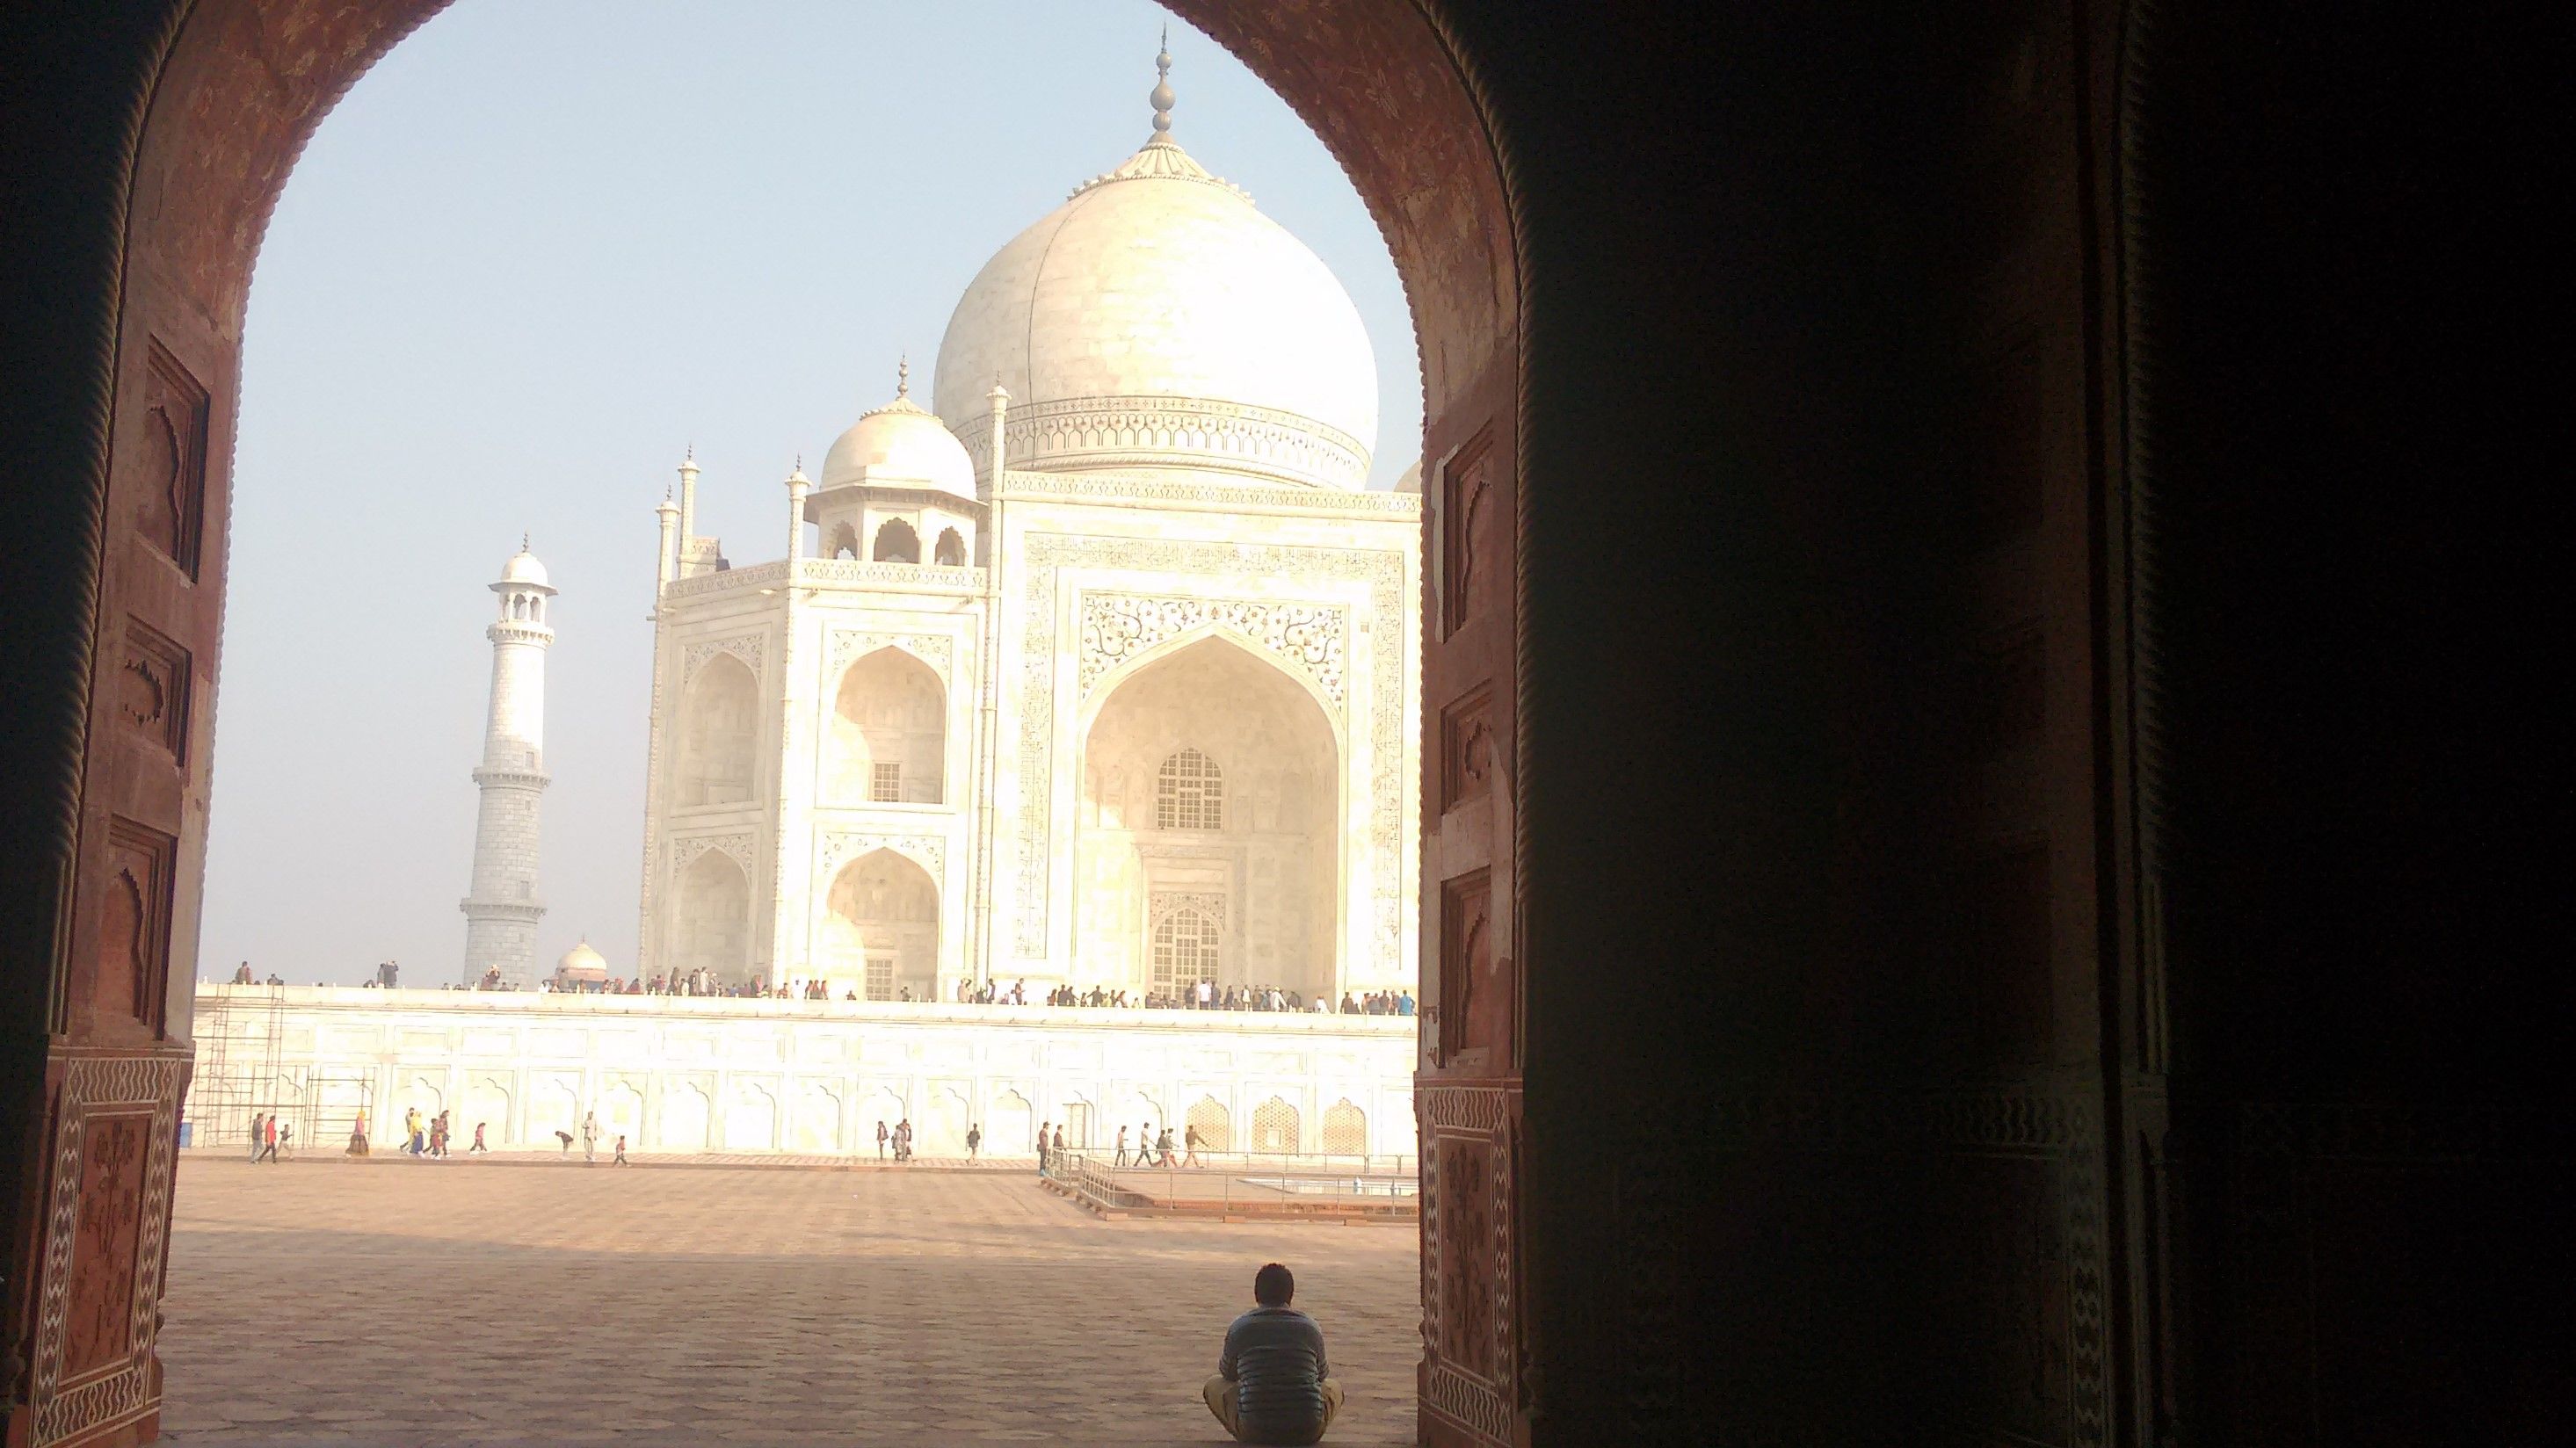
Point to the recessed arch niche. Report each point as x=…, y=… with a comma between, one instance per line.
x=719, y=734
x=1263, y=867
x=888, y=741
x=880, y=930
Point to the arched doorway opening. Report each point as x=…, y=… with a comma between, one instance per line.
x=881, y=935
x=1208, y=847
x=246, y=80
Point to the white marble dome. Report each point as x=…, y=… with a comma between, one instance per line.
x=1158, y=320
x=582, y=961
x=899, y=445
x=523, y=567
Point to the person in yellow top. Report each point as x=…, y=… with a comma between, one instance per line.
x=417, y=1130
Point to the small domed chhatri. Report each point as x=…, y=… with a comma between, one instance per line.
x=1158, y=320
x=523, y=567
x=900, y=445
x=582, y=963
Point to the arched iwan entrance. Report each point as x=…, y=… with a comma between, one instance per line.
x=188, y=136
x=1208, y=845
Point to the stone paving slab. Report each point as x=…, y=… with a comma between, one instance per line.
x=319, y=1308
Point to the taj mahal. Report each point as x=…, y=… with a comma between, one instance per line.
x=1099, y=671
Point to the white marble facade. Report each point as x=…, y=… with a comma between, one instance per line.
x=692, y=1074
x=1141, y=709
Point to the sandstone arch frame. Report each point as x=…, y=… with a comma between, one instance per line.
x=2074, y=1137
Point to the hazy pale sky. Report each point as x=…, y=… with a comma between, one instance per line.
x=536, y=252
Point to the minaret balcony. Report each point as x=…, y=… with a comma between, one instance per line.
x=513, y=778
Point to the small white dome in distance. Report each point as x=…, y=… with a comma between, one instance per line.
x=523, y=567
x=583, y=963
x=900, y=446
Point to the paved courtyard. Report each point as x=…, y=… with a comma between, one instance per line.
x=401, y=1302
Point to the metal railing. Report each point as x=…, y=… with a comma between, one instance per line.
x=1238, y=1183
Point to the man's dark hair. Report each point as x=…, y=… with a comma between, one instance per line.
x=1272, y=1286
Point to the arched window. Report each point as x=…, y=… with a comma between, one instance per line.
x=1190, y=793
x=951, y=552
x=1345, y=1129
x=1214, y=1126
x=1185, y=946
x=1274, y=1126
x=897, y=543
x=844, y=544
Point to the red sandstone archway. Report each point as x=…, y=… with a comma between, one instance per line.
x=241, y=84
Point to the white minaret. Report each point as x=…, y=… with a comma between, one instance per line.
x=501, y=910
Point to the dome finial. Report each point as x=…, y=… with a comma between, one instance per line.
x=1162, y=96
x=902, y=375
x=523, y=540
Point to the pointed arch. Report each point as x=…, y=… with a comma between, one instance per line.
x=844, y=542
x=1345, y=1129
x=888, y=736
x=719, y=733
x=951, y=549
x=711, y=924
x=1214, y=1124
x=1274, y=1126
x=896, y=543
x=880, y=929
x=1208, y=840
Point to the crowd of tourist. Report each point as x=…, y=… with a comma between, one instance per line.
x=1204, y=996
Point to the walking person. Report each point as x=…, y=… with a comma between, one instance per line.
x=1190, y=1143
x=478, y=1141
x=1163, y=1147
x=258, y=1121
x=358, y=1136
x=1042, y=1148
x=589, y=1138
x=286, y=1138
x=974, y=1140
x=1059, y=1141
x=621, y=1150
x=1122, y=1147
x=881, y=1140
x=268, y=1141
x=415, y=1132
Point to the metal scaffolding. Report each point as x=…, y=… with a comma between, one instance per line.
x=241, y=1076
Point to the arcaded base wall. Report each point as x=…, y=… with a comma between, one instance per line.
x=710, y=1074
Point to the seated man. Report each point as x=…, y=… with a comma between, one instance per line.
x=1272, y=1385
